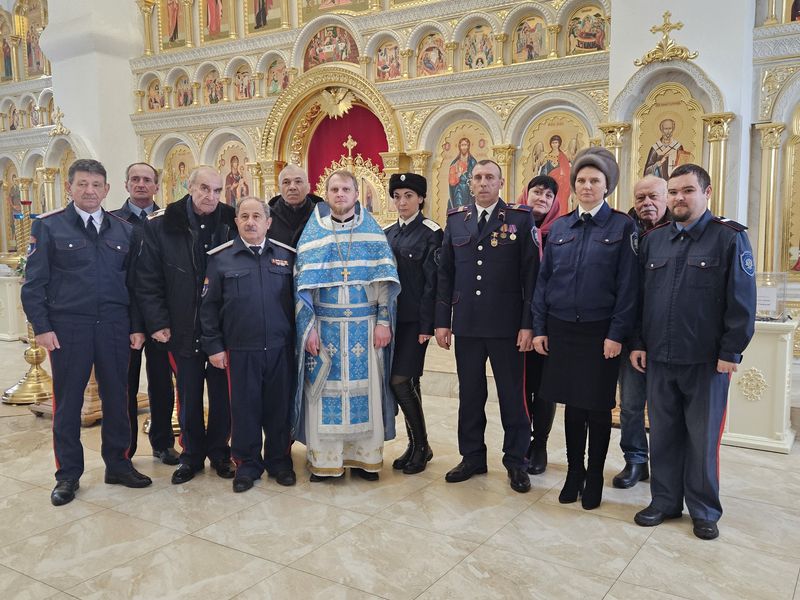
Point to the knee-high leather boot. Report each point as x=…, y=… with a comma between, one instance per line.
x=575, y=432
x=599, y=436
x=411, y=405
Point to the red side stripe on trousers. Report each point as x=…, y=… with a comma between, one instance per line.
x=53, y=419
x=174, y=366
x=236, y=461
x=525, y=385
x=722, y=429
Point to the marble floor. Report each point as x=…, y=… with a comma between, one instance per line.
x=402, y=537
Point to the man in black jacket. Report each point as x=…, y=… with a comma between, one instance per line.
x=292, y=208
x=141, y=182
x=170, y=273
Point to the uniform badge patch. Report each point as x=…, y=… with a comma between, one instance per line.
x=205, y=288
x=747, y=262
x=278, y=262
x=32, y=246
x=635, y=243
x=535, y=236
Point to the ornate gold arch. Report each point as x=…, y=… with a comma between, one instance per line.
x=282, y=120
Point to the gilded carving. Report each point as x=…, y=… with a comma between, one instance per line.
x=771, y=136
x=300, y=133
x=600, y=98
x=666, y=49
x=771, y=84
x=59, y=128
x=336, y=102
x=412, y=123
x=199, y=137
x=753, y=384
x=557, y=4
x=505, y=106
x=255, y=135
x=718, y=126
x=148, y=141
x=374, y=190
x=419, y=160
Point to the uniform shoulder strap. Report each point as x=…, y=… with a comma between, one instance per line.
x=456, y=210
x=652, y=229
x=282, y=245
x=50, y=213
x=432, y=225
x=729, y=223
x=156, y=213
x=221, y=247
x=519, y=207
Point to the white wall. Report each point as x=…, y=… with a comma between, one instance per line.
x=89, y=44
x=722, y=32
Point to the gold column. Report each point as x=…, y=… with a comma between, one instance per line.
x=285, y=15
x=146, y=8
x=15, y=42
x=419, y=160
x=269, y=171
x=405, y=56
x=24, y=123
x=139, y=100
x=292, y=71
x=767, y=225
x=451, y=55
x=504, y=155
x=717, y=125
x=258, y=180
x=187, y=22
x=552, y=32
x=167, y=97
x=196, y=93
x=49, y=184
x=393, y=162
x=612, y=139
x=500, y=38
x=232, y=19
x=259, y=77
x=364, y=62
x=25, y=190
x=226, y=84
x=771, y=19
x=36, y=386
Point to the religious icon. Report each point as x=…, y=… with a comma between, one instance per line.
x=33, y=111
x=184, y=94
x=586, y=31
x=175, y=179
x=216, y=24
x=310, y=9
x=666, y=153
x=478, y=48
x=32, y=26
x=171, y=24
x=213, y=88
x=277, y=77
x=795, y=11
x=431, y=55
x=263, y=15
x=13, y=118
x=6, y=31
x=387, y=63
x=460, y=175
x=529, y=41
x=330, y=44
x=461, y=146
x=238, y=181
x=155, y=97
x=244, y=84
x=13, y=205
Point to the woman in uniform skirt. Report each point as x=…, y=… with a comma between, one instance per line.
x=414, y=240
x=584, y=308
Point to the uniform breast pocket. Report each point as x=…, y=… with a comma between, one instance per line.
x=117, y=250
x=562, y=250
x=655, y=272
x=461, y=248
x=702, y=271
x=72, y=255
x=237, y=283
x=280, y=270
x=604, y=248
x=409, y=253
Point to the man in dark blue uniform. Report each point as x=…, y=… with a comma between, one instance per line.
x=169, y=278
x=247, y=317
x=141, y=181
x=697, y=317
x=487, y=268
x=77, y=300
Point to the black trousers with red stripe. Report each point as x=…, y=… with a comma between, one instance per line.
x=160, y=394
x=262, y=388
x=686, y=405
x=198, y=439
x=508, y=366
x=106, y=346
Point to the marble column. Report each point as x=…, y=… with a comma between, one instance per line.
x=717, y=129
x=613, y=134
x=552, y=32
x=405, y=58
x=767, y=223
x=146, y=8
x=504, y=155
x=450, y=47
x=500, y=38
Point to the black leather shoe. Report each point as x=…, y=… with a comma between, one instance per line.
x=592, y=493
x=538, y=461
x=184, y=473
x=169, y=456
x=320, y=478
x=651, y=516
x=632, y=474
x=242, y=483
x=64, y=492
x=463, y=471
x=131, y=479
x=366, y=475
x=519, y=479
x=224, y=469
x=705, y=530
x=287, y=478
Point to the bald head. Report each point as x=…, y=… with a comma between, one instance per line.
x=294, y=185
x=650, y=200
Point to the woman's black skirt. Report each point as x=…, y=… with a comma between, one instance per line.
x=409, y=354
x=575, y=372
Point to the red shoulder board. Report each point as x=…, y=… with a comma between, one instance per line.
x=50, y=214
x=648, y=231
x=457, y=209
x=732, y=224
x=520, y=207
x=619, y=212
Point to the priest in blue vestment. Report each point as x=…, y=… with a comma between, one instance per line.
x=347, y=288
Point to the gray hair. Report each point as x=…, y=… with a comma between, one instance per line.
x=263, y=204
x=291, y=167
x=200, y=169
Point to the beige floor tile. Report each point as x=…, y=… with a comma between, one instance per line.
x=95, y=490
x=28, y=456
x=9, y=423
x=189, y=568
x=772, y=486
x=65, y=556
x=497, y=574
x=581, y=540
x=458, y=511
x=262, y=529
x=30, y=512
x=21, y=587
x=676, y=562
x=760, y=526
x=188, y=507
x=760, y=458
x=626, y=591
x=367, y=558
x=289, y=584
x=353, y=493
x=10, y=486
